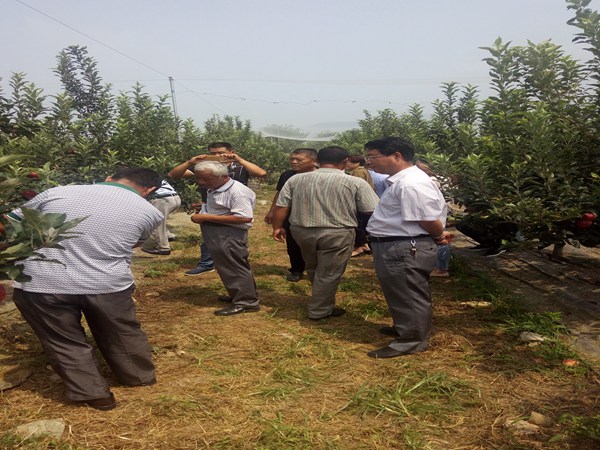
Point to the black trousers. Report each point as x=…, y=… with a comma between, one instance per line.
x=293, y=250
x=56, y=320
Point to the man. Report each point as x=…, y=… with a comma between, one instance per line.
x=225, y=219
x=94, y=280
x=404, y=229
x=238, y=169
x=167, y=201
x=302, y=160
x=379, y=183
x=323, y=207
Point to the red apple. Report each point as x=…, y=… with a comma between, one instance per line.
x=33, y=175
x=28, y=194
x=588, y=216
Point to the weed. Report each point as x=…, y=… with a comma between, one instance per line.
x=153, y=273
x=472, y=284
x=173, y=406
x=368, y=310
x=547, y=324
x=355, y=285
x=11, y=441
x=586, y=427
x=413, y=394
x=280, y=435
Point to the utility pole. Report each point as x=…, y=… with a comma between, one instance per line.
x=171, y=83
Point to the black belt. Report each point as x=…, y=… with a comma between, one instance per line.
x=397, y=238
x=166, y=195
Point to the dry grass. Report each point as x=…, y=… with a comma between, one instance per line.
x=276, y=380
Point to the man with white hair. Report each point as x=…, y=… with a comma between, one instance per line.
x=225, y=219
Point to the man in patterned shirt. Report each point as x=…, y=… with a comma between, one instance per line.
x=225, y=219
x=95, y=280
x=238, y=169
x=322, y=207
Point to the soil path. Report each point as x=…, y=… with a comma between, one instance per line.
x=570, y=286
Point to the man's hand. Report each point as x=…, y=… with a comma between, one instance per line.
x=198, y=218
x=269, y=217
x=445, y=239
x=279, y=234
x=196, y=159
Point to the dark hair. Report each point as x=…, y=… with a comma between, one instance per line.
x=332, y=155
x=310, y=152
x=227, y=145
x=140, y=175
x=360, y=159
x=390, y=145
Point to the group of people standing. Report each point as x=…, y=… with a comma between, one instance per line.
x=315, y=212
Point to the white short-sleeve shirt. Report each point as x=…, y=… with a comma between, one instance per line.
x=411, y=197
x=98, y=260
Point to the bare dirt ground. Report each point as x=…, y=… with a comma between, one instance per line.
x=276, y=380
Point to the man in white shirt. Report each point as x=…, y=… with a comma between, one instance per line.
x=225, y=219
x=404, y=229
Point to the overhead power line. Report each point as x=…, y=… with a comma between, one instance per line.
x=94, y=39
x=200, y=95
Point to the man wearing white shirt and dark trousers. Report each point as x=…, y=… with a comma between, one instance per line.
x=405, y=229
x=225, y=219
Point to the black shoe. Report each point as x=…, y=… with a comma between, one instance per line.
x=198, y=270
x=147, y=383
x=225, y=298
x=385, y=352
x=294, y=276
x=337, y=312
x=157, y=252
x=236, y=309
x=388, y=331
x=102, y=404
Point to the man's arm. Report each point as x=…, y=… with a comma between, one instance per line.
x=252, y=168
x=183, y=169
x=269, y=216
x=436, y=229
x=224, y=219
x=280, y=213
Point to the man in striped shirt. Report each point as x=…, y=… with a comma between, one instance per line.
x=225, y=219
x=95, y=280
x=322, y=207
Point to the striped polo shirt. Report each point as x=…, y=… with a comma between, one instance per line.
x=98, y=260
x=231, y=199
x=326, y=198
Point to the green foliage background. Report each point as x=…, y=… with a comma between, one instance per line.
x=528, y=154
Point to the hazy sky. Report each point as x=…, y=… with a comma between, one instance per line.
x=313, y=64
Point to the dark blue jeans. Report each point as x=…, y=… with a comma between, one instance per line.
x=206, y=259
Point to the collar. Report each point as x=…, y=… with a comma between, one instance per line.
x=114, y=183
x=400, y=174
x=224, y=187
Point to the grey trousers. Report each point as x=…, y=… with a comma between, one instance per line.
x=404, y=278
x=166, y=205
x=326, y=252
x=56, y=320
x=229, y=249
